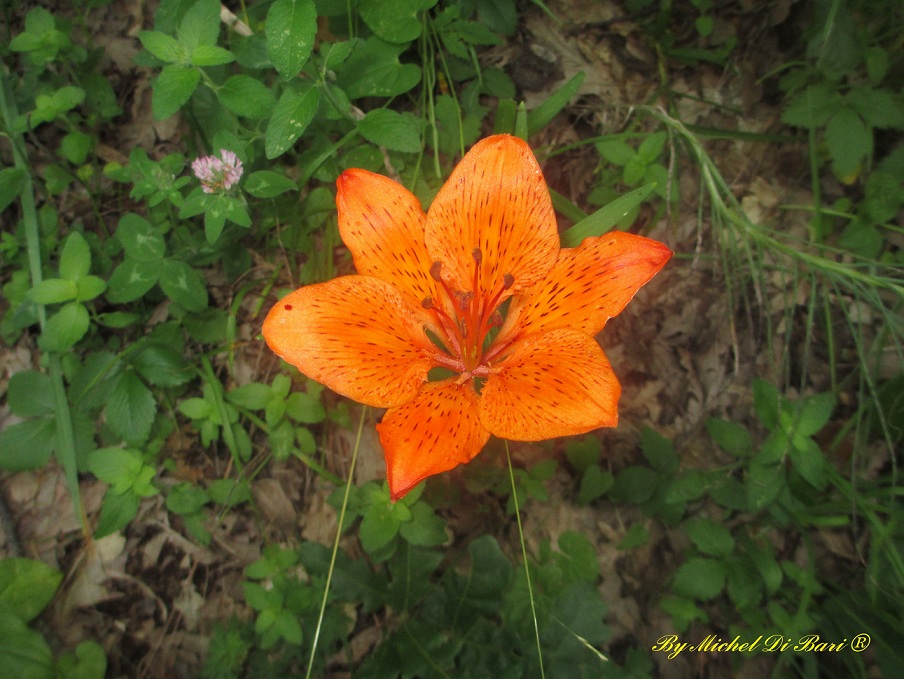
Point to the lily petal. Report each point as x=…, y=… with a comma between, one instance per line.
x=587, y=286
x=434, y=432
x=354, y=334
x=495, y=201
x=558, y=383
x=382, y=223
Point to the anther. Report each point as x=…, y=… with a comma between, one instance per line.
x=435, y=269
x=507, y=281
x=477, y=255
x=427, y=302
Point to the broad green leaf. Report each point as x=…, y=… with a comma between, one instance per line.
x=583, y=452
x=815, y=412
x=186, y=498
x=849, y=141
x=731, y=437
x=229, y=492
x=595, y=483
x=139, y=239
x=27, y=586
x=541, y=116
x=65, y=328
x=131, y=280
x=116, y=511
x=131, y=409
x=49, y=106
x=290, y=29
x=304, y=407
x=30, y=394
x=396, y=131
x=291, y=116
x=23, y=652
x=117, y=467
x=812, y=107
x=606, y=217
x=764, y=482
x=710, y=537
x=634, y=484
x=268, y=184
x=211, y=55
x=247, y=96
x=659, y=451
x=699, y=578
x=172, y=89
x=163, y=46
x=635, y=536
x=161, y=365
x=88, y=662
x=200, y=25
x=89, y=287
x=500, y=16
x=374, y=70
x=195, y=408
x=878, y=107
x=75, y=259
x=11, y=182
x=75, y=147
x=767, y=402
x=183, y=285
x=253, y=396
x=810, y=463
x=425, y=529
x=28, y=444
x=396, y=21
x=53, y=291
x=615, y=151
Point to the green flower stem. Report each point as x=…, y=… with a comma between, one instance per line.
x=329, y=575
x=530, y=590
x=65, y=443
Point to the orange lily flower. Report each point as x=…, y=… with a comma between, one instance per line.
x=429, y=294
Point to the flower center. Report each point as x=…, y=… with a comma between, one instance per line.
x=466, y=318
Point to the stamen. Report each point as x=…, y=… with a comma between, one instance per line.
x=435, y=269
x=427, y=302
x=507, y=281
x=477, y=255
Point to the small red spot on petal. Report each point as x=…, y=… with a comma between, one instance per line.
x=288, y=307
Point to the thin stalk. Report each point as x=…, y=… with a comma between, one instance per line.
x=530, y=589
x=329, y=575
x=65, y=437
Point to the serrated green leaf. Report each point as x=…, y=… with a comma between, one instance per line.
x=49, y=106
x=131, y=280
x=878, y=107
x=24, y=653
x=247, y=96
x=27, y=586
x=195, y=408
x=253, y=396
x=11, y=182
x=811, y=107
x=186, y=498
x=131, y=409
x=28, y=444
x=374, y=70
x=290, y=29
x=849, y=141
x=396, y=21
x=161, y=365
x=30, y=394
x=200, y=25
x=731, y=437
x=65, y=328
x=116, y=511
x=425, y=529
x=267, y=184
x=53, y=291
x=172, y=89
x=700, y=579
x=229, y=492
x=710, y=537
x=659, y=451
x=76, y=146
x=810, y=463
x=183, y=285
x=211, y=55
x=163, y=46
x=815, y=412
x=396, y=131
x=117, y=467
x=291, y=116
x=595, y=483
